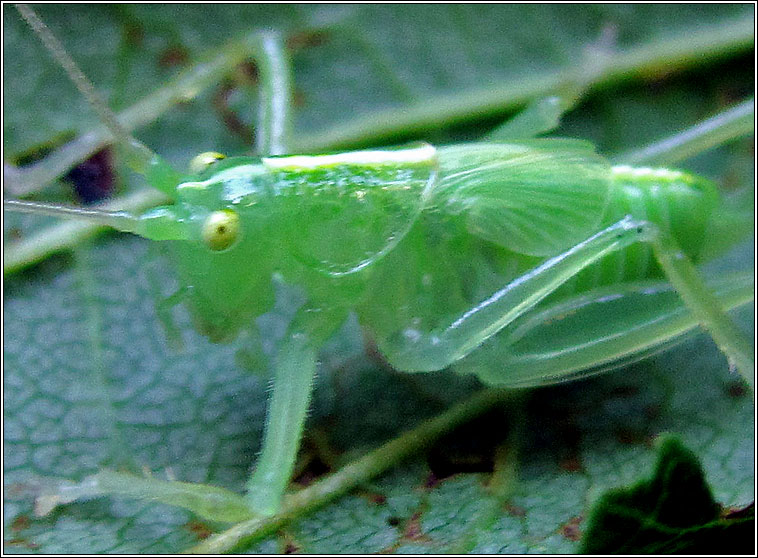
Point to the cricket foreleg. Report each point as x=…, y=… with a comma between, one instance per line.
x=209, y=502
x=274, y=108
x=293, y=379
x=288, y=406
x=539, y=117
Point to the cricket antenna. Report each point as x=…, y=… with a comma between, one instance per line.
x=139, y=157
x=119, y=220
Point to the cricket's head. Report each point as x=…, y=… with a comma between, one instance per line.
x=221, y=234
x=221, y=260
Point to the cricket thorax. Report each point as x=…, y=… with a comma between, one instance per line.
x=345, y=211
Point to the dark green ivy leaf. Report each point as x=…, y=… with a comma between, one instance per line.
x=673, y=512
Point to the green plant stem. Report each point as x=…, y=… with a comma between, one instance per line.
x=663, y=56
x=727, y=125
x=353, y=474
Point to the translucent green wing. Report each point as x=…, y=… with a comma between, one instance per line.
x=352, y=208
x=537, y=197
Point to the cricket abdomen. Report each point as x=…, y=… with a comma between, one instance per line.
x=678, y=202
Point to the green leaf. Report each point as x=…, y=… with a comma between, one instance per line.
x=91, y=380
x=672, y=512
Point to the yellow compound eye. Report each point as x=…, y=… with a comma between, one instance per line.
x=221, y=229
x=201, y=162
